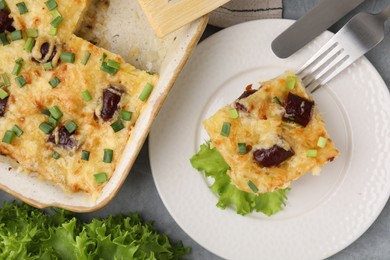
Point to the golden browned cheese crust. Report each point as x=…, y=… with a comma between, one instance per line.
x=261, y=125
x=33, y=150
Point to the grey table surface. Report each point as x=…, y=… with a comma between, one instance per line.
x=139, y=194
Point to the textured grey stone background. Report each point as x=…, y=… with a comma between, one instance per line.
x=139, y=194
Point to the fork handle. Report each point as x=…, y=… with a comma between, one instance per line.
x=385, y=14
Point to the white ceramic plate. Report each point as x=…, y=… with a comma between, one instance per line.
x=323, y=214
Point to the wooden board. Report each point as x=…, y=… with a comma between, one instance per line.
x=167, y=16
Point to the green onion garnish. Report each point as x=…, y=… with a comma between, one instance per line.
x=19, y=60
x=54, y=13
x=55, y=112
x=277, y=100
x=322, y=142
x=22, y=8
x=45, y=112
x=67, y=57
x=21, y=81
x=53, y=31
x=225, y=131
x=5, y=79
x=56, y=21
x=104, y=56
x=16, y=35
x=126, y=115
x=51, y=4
x=53, y=121
x=113, y=64
x=117, y=126
x=71, y=126
x=3, y=93
x=29, y=44
x=4, y=39
x=86, y=58
x=311, y=153
x=54, y=82
x=3, y=4
x=86, y=95
x=233, y=113
x=100, y=177
x=85, y=155
x=33, y=33
x=48, y=65
x=108, y=69
x=16, y=129
x=146, y=92
x=107, y=158
x=46, y=128
x=242, y=148
x=8, y=137
x=290, y=82
x=252, y=186
x=56, y=155
x=17, y=68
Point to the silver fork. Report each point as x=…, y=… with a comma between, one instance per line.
x=362, y=33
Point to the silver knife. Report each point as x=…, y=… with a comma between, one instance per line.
x=317, y=20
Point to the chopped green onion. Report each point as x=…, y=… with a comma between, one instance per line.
x=126, y=115
x=46, y=128
x=17, y=68
x=100, y=177
x=53, y=31
x=48, y=65
x=51, y=4
x=85, y=155
x=33, y=33
x=117, y=126
x=86, y=95
x=45, y=112
x=242, y=148
x=252, y=186
x=3, y=93
x=107, y=158
x=71, y=126
x=55, y=111
x=107, y=69
x=29, y=44
x=322, y=142
x=104, y=56
x=233, y=113
x=21, y=81
x=16, y=35
x=4, y=39
x=56, y=21
x=290, y=82
x=20, y=60
x=146, y=92
x=56, y=155
x=311, y=153
x=67, y=57
x=53, y=121
x=8, y=137
x=22, y=8
x=16, y=129
x=54, y=13
x=86, y=58
x=54, y=82
x=113, y=64
x=277, y=100
x=225, y=131
x=6, y=80
x=3, y=4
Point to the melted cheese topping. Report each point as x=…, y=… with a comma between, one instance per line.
x=261, y=127
x=32, y=150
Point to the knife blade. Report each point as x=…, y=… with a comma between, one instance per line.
x=317, y=20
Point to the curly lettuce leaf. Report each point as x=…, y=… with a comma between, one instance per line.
x=211, y=162
x=29, y=233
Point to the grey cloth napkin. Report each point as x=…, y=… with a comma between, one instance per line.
x=238, y=11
